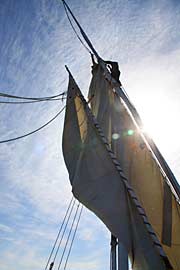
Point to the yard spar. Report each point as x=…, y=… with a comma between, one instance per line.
x=117, y=172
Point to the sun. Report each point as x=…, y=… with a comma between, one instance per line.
x=160, y=121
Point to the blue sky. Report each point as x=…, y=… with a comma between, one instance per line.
x=36, y=42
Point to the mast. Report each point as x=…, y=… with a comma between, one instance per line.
x=122, y=257
x=113, y=256
x=122, y=260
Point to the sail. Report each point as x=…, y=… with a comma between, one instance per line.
x=97, y=183
x=94, y=180
x=138, y=163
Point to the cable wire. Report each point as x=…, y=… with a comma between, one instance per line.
x=36, y=130
x=67, y=211
x=72, y=241
x=72, y=224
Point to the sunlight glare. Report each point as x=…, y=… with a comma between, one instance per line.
x=158, y=116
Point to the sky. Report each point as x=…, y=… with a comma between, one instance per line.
x=36, y=43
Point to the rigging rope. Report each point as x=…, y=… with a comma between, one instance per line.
x=67, y=211
x=72, y=241
x=64, y=230
x=36, y=130
x=87, y=40
x=31, y=98
x=72, y=224
x=76, y=33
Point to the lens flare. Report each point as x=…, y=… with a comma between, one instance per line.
x=130, y=132
x=115, y=136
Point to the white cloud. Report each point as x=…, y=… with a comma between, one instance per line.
x=5, y=228
x=23, y=258
x=90, y=262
